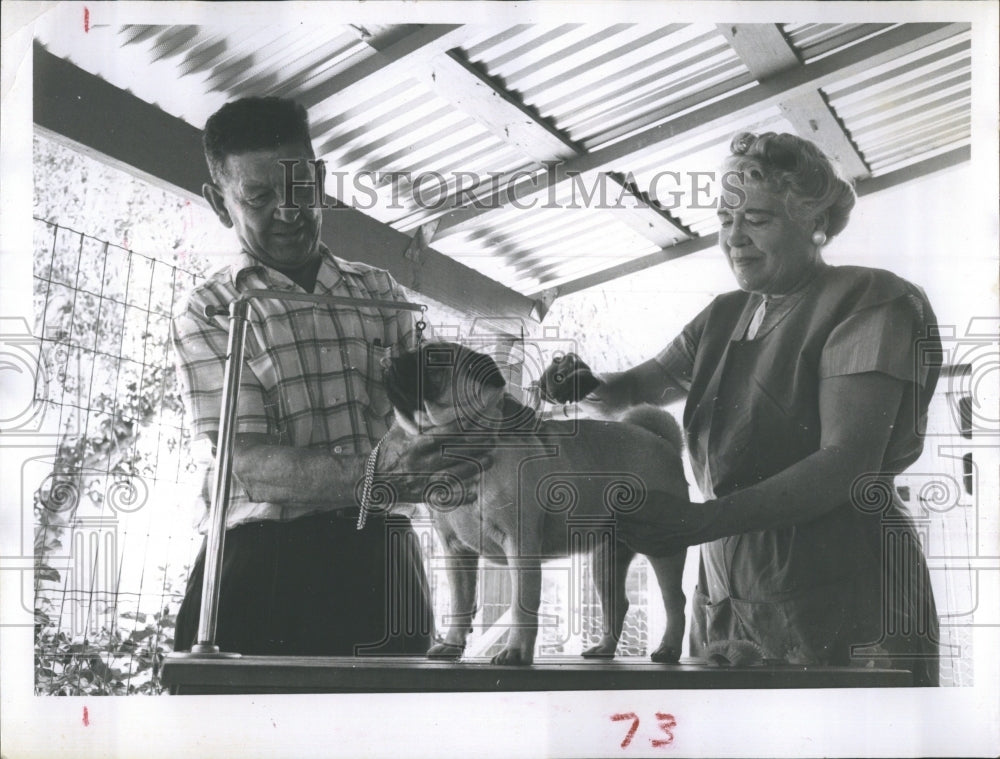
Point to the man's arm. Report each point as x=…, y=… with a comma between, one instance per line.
x=308, y=477
x=285, y=475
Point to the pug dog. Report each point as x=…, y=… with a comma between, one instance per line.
x=551, y=485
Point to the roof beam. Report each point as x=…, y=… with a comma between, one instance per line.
x=656, y=258
x=645, y=215
x=119, y=128
x=914, y=171
x=863, y=56
x=472, y=91
x=432, y=55
x=766, y=53
x=866, y=187
x=455, y=79
x=387, y=66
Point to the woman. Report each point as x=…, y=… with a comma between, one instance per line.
x=804, y=393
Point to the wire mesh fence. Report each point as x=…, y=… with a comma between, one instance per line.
x=112, y=520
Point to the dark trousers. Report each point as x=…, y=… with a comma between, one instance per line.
x=316, y=586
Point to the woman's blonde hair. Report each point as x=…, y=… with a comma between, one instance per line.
x=791, y=166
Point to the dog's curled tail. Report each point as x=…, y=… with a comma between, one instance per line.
x=657, y=421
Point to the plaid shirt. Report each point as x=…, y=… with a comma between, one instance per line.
x=312, y=375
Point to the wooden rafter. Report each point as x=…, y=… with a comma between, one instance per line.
x=730, y=110
x=384, y=67
x=766, y=53
x=473, y=92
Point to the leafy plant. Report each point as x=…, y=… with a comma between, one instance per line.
x=115, y=661
x=106, y=372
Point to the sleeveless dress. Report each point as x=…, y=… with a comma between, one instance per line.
x=851, y=587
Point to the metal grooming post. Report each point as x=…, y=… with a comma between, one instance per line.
x=238, y=313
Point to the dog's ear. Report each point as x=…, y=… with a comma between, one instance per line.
x=480, y=369
x=470, y=390
x=402, y=383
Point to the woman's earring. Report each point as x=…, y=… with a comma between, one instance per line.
x=819, y=238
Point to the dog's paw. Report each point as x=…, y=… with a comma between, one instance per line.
x=445, y=651
x=603, y=650
x=512, y=657
x=665, y=654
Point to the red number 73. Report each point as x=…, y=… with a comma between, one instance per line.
x=666, y=723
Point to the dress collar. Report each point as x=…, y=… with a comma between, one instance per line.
x=778, y=306
x=798, y=291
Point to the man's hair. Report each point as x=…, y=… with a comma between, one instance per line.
x=253, y=123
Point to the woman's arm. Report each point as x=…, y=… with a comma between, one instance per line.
x=857, y=413
x=648, y=382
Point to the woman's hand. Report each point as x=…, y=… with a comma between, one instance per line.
x=567, y=380
x=570, y=380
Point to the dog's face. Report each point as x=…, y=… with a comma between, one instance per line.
x=445, y=385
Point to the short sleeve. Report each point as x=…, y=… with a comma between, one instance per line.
x=881, y=338
x=677, y=359
x=200, y=349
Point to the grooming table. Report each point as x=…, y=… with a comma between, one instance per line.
x=307, y=674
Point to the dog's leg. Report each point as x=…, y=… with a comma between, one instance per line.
x=609, y=564
x=526, y=596
x=669, y=570
x=463, y=574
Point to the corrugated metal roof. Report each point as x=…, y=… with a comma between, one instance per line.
x=403, y=146
x=597, y=83
x=916, y=107
x=813, y=41
x=533, y=249
x=191, y=71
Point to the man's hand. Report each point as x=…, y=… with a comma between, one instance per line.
x=439, y=469
x=567, y=380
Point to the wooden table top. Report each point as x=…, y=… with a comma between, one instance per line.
x=323, y=674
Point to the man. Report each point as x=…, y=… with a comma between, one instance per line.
x=297, y=576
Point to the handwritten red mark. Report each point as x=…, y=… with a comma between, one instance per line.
x=86, y=19
x=86, y=717
x=635, y=725
x=667, y=722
